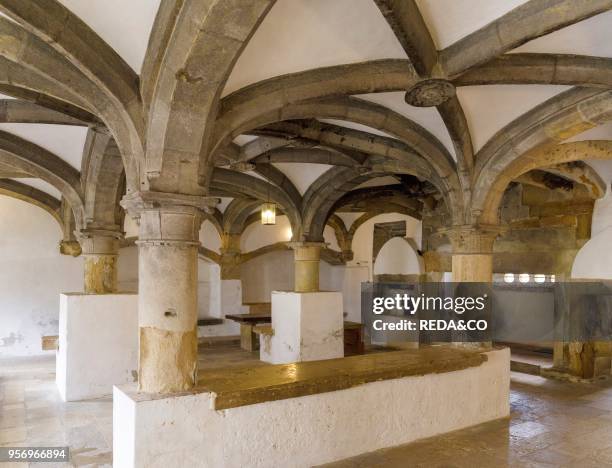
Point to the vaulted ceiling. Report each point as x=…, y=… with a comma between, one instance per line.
x=504, y=68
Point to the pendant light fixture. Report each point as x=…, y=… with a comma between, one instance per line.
x=268, y=211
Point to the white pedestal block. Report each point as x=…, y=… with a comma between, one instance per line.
x=98, y=344
x=307, y=327
x=183, y=431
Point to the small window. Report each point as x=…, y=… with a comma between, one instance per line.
x=524, y=277
x=509, y=278
x=539, y=278
x=552, y=278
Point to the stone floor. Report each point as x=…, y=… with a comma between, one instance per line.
x=552, y=423
x=32, y=414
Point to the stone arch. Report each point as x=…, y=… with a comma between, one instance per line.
x=112, y=96
x=237, y=213
x=398, y=256
x=322, y=197
x=182, y=89
x=416, y=158
x=43, y=164
x=28, y=194
x=355, y=110
x=530, y=146
x=254, y=188
x=103, y=180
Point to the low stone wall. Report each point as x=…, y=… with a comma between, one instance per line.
x=186, y=430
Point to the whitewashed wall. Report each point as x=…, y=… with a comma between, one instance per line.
x=397, y=257
x=29, y=243
x=594, y=260
x=32, y=275
x=362, y=241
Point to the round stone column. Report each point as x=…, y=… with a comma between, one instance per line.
x=167, y=297
x=307, y=256
x=100, y=249
x=472, y=259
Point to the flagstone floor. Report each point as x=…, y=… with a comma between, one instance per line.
x=552, y=423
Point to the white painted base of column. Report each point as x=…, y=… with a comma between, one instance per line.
x=307, y=327
x=98, y=344
x=183, y=431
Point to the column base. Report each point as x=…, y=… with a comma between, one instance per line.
x=306, y=327
x=98, y=344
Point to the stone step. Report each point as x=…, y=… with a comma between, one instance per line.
x=525, y=368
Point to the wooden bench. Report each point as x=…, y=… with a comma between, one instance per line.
x=249, y=341
x=208, y=321
x=353, y=338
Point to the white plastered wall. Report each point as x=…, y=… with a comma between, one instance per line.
x=397, y=257
x=594, y=260
x=274, y=271
x=33, y=273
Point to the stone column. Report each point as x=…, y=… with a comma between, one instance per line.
x=307, y=256
x=100, y=249
x=168, y=278
x=472, y=260
x=472, y=253
x=230, y=256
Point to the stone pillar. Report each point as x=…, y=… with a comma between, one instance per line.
x=168, y=279
x=100, y=249
x=230, y=256
x=472, y=260
x=307, y=256
x=472, y=253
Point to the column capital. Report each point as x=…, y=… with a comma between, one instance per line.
x=168, y=218
x=70, y=247
x=99, y=240
x=137, y=202
x=472, y=239
x=298, y=245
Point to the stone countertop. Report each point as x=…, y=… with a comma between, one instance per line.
x=236, y=387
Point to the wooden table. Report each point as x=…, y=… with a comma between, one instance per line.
x=249, y=341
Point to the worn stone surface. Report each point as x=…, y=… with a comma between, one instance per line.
x=167, y=360
x=238, y=387
x=100, y=249
x=100, y=274
x=307, y=256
